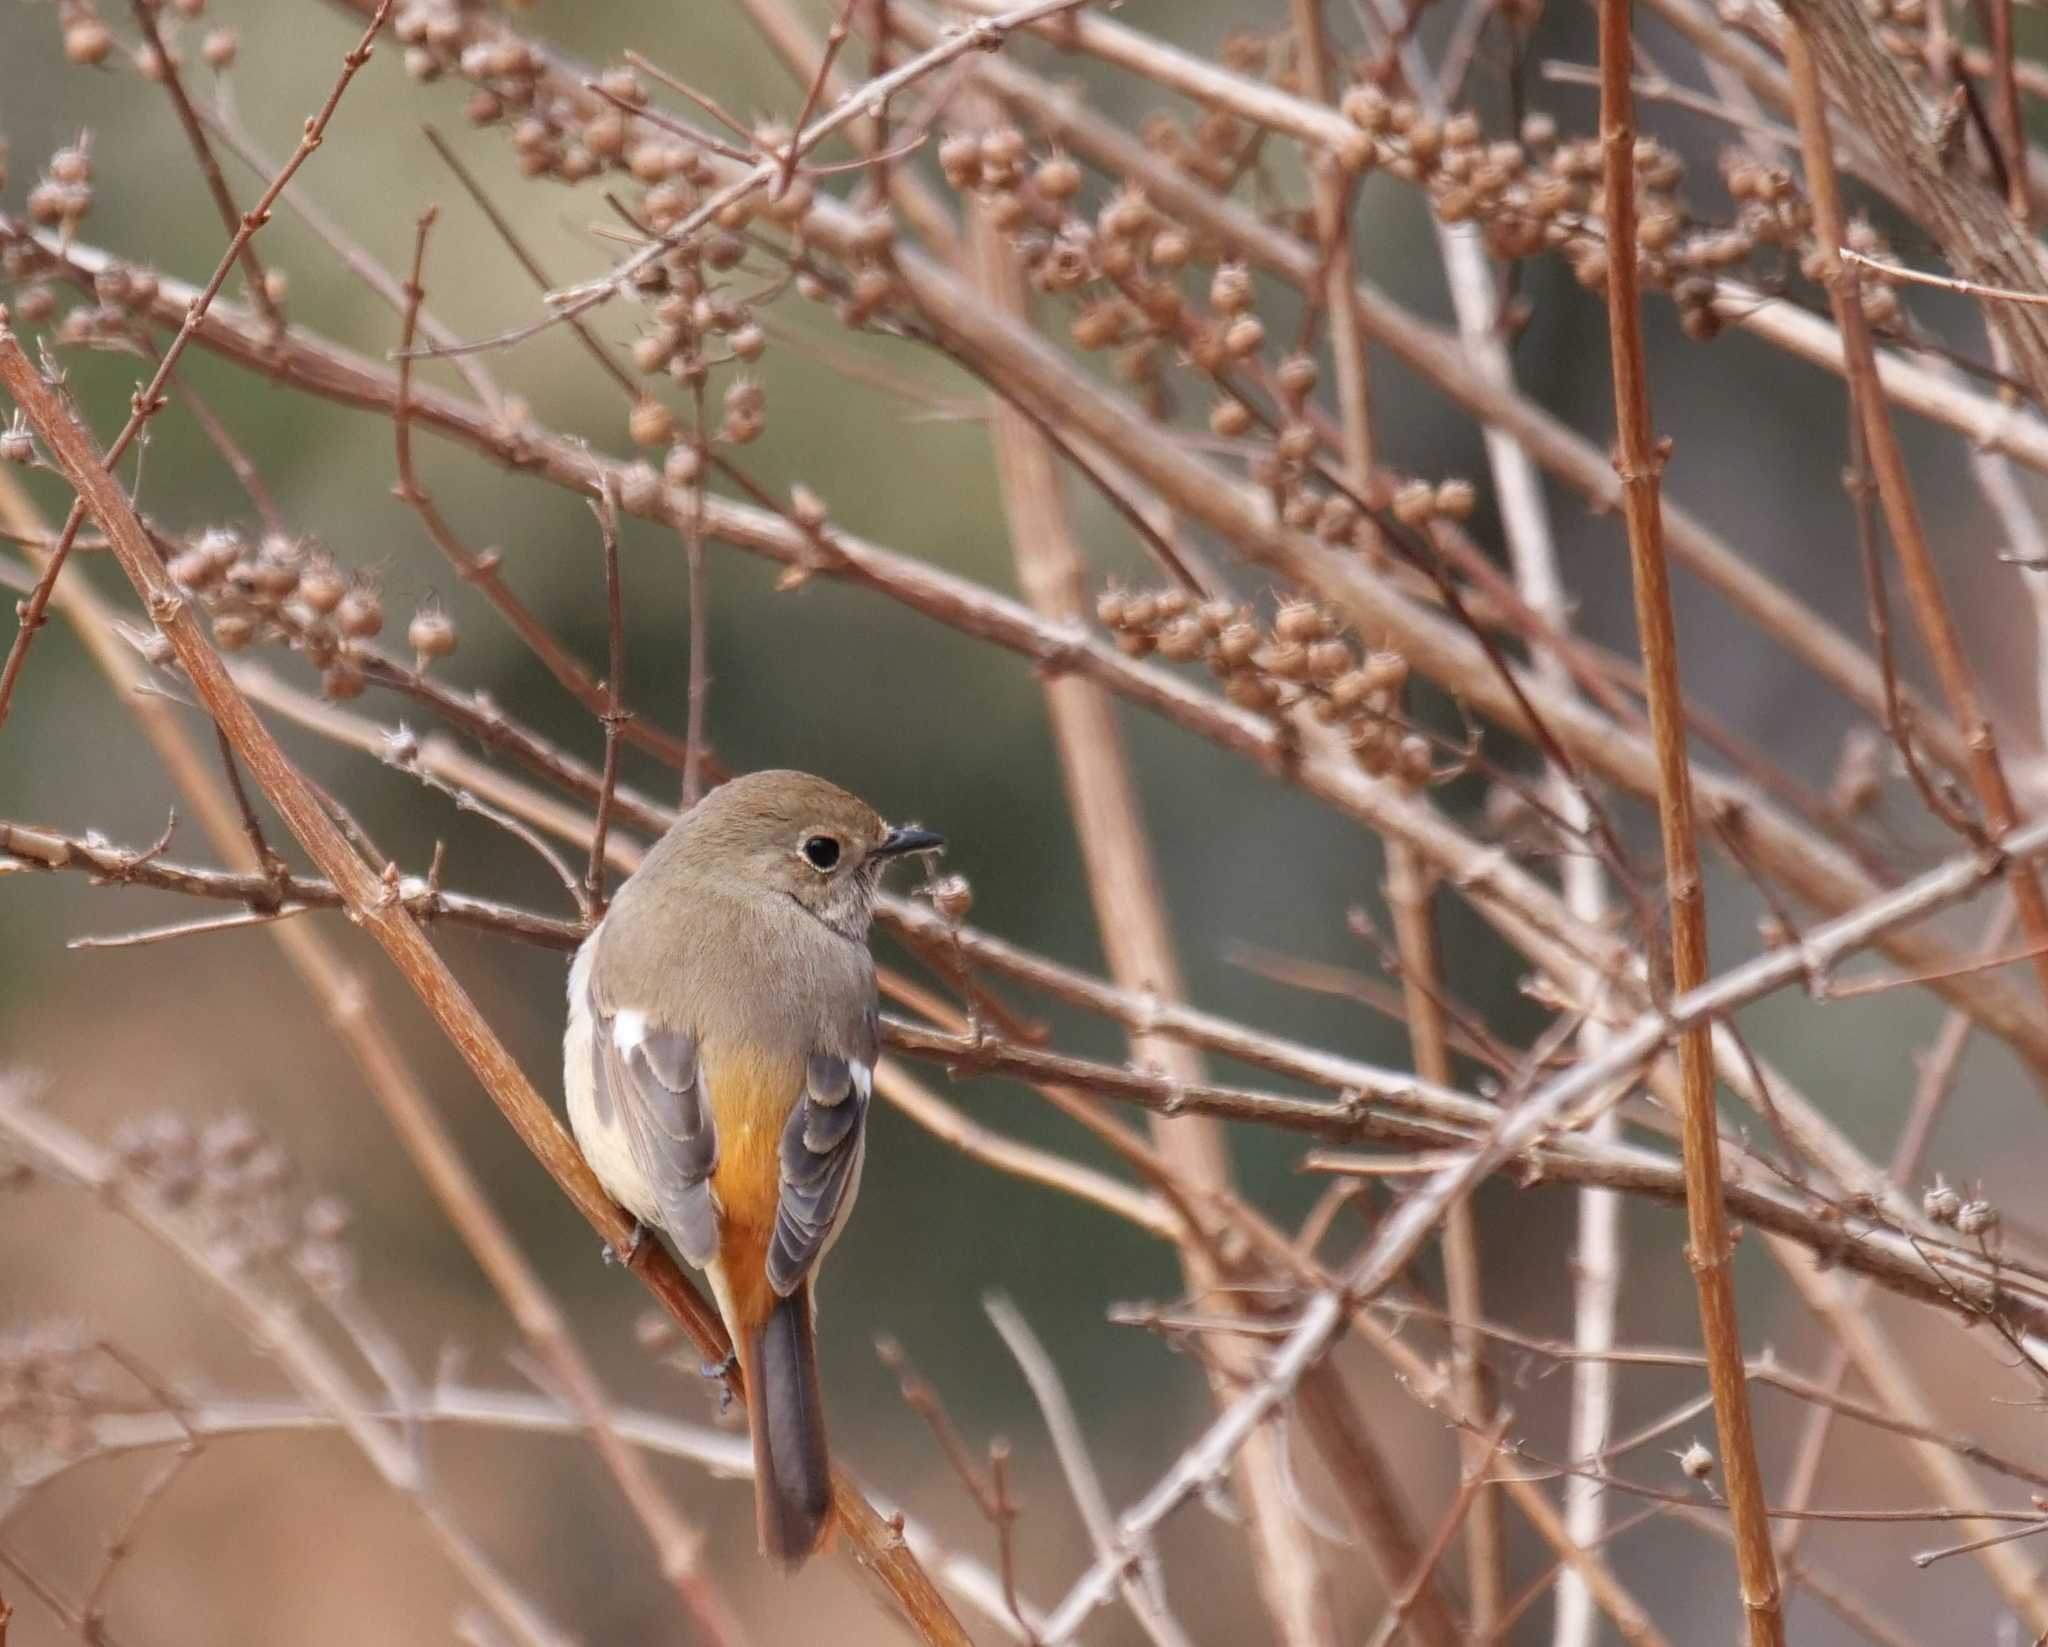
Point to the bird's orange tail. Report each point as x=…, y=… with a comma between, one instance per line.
x=786, y=1415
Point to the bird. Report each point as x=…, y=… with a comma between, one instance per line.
x=719, y=1063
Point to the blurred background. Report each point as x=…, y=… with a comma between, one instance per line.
x=290, y=1538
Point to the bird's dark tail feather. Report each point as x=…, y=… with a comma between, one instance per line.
x=786, y=1413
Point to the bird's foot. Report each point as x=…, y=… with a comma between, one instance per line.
x=613, y=1256
x=718, y=1372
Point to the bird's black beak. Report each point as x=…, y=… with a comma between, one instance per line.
x=905, y=839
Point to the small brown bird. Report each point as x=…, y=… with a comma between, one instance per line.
x=719, y=1062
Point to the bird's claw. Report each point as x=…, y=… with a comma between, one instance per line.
x=612, y=1254
x=718, y=1372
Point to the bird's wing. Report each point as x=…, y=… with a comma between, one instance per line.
x=821, y=1153
x=648, y=1083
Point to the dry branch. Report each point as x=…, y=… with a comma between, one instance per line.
x=1710, y=1249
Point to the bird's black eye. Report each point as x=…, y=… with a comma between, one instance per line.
x=821, y=852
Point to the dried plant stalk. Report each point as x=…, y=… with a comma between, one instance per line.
x=1709, y=1246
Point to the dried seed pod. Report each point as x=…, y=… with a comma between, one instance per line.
x=1415, y=503
x=1301, y=620
x=1243, y=337
x=1236, y=643
x=17, y=445
x=1230, y=418
x=1350, y=690
x=220, y=48
x=1100, y=325
x=1126, y=215
x=232, y=631
x=1456, y=499
x=1002, y=147
x=1366, y=107
x=952, y=897
x=88, y=42
x=343, y=679
x=274, y=580
x=651, y=423
x=960, y=160
x=1170, y=248
x=1057, y=178
x=1386, y=671
x=1284, y=660
x=1251, y=690
x=431, y=634
x=1296, y=376
x=682, y=465
x=48, y=204
x=1327, y=660
x=1696, y=1461
x=194, y=569
x=1182, y=640
x=745, y=397
x=1230, y=289
x=1412, y=760
x=639, y=488
x=1336, y=519
x=1296, y=442
x=321, y=585
x=360, y=616
x=1976, y=1217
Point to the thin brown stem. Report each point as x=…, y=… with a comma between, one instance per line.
x=209, y=168
x=615, y=716
x=698, y=702
x=524, y=258
x=1709, y=1247
x=482, y=571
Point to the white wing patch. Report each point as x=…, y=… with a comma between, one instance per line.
x=629, y=1029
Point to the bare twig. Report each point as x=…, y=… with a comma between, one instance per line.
x=615, y=717
x=166, y=61
x=1144, y=1588
x=1709, y=1247
x=482, y=570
